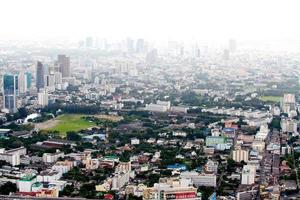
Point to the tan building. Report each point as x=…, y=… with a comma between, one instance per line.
x=64, y=65
x=171, y=188
x=239, y=154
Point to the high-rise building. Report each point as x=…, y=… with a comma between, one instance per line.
x=239, y=154
x=89, y=42
x=50, y=82
x=140, y=46
x=28, y=79
x=152, y=57
x=64, y=65
x=248, y=175
x=288, y=103
x=130, y=46
x=40, y=73
x=58, y=77
x=43, y=98
x=10, y=92
x=226, y=54
x=232, y=45
x=22, y=82
x=288, y=125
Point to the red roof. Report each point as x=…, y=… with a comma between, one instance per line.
x=108, y=196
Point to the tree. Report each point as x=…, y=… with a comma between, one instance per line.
x=73, y=136
x=87, y=190
x=67, y=191
x=7, y=188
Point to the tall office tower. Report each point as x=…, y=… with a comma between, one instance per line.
x=43, y=98
x=152, y=57
x=226, y=54
x=64, y=65
x=22, y=82
x=50, y=82
x=140, y=46
x=232, y=45
x=288, y=103
x=89, y=42
x=40, y=73
x=10, y=92
x=58, y=77
x=28, y=79
x=130, y=45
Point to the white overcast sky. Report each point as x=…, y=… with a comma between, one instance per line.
x=152, y=19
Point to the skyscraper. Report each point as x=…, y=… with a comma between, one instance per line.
x=130, y=45
x=22, y=83
x=226, y=54
x=64, y=65
x=40, y=72
x=140, y=46
x=89, y=42
x=232, y=45
x=10, y=92
x=288, y=103
x=28, y=78
x=43, y=98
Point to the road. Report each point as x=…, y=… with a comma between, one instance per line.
x=263, y=164
x=6, y=197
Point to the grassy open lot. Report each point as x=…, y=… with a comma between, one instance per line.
x=70, y=122
x=271, y=98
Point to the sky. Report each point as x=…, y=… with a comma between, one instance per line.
x=151, y=19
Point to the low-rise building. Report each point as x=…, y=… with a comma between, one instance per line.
x=209, y=180
x=169, y=188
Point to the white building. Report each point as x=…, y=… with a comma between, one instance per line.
x=171, y=188
x=288, y=103
x=258, y=146
x=26, y=182
x=43, y=98
x=134, y=141
x=198, y=179
x=121, y=176
x=52, y=157
x=211, y=167
x=119, y=180
x=156, y=108
x=262, y=133
x=248, y=175
x=160, y=106
x=288, y=125
x=179, y=109
x=164, y=103
x=63, y=166
x=12, y=156
x=49, y=176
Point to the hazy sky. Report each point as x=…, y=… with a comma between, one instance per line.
x=152, y=19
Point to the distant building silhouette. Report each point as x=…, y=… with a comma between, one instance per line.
x=64, y=65
x=40, y=72
x=10, y=92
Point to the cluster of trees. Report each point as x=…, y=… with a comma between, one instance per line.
x=73, y=108
x=8, y=188
x=19, y=127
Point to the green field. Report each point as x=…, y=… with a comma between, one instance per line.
x=271, y=98
x=70, y=122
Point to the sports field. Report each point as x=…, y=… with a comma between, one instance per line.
x=271, y=98
x=68, y=122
